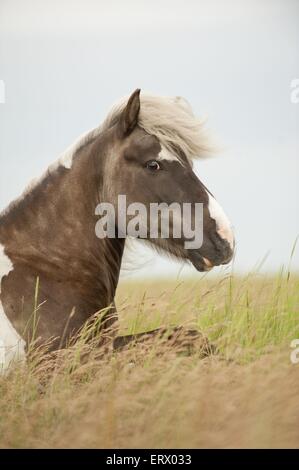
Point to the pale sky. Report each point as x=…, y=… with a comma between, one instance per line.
x=65, y=62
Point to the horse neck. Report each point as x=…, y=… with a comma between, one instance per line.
x=52, y=229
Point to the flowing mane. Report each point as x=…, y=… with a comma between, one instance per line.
x=171, y=120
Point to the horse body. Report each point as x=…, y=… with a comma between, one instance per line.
x=48, y=235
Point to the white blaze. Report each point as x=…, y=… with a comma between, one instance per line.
x=223, y=225
x=12, y=346
x=165, y=154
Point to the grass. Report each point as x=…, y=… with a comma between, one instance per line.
x=246, y=395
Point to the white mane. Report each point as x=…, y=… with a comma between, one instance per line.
x=171, y=120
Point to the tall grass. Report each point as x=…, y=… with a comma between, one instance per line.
x=150, y=395
x=244, y=316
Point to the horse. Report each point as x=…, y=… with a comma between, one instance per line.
x=144, y=149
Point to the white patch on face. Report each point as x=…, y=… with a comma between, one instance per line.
x=165, y=154
x=12, y=346
x=223, y=225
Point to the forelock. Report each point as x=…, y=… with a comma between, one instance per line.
x=172, y=121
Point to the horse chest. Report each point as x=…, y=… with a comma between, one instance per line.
x=12, y=346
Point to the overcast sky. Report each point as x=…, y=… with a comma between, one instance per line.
x=65, y=62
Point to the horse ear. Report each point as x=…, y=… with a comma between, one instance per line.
x=129, y=117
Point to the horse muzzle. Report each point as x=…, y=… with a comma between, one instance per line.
x=215, y=253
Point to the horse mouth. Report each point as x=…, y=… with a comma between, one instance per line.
x=204, y=264
x=201, y=263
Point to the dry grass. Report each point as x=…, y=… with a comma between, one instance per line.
x=245, y=396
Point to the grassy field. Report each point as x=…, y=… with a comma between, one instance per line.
x=158, y=396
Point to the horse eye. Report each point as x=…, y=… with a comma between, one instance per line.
x=153, y=165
